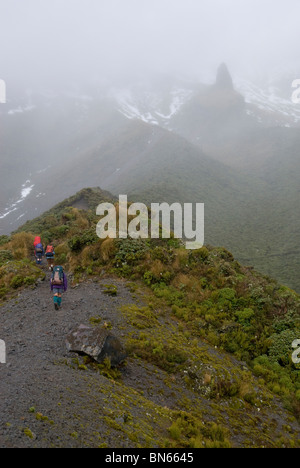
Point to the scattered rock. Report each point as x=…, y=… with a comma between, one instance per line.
x=96, y=343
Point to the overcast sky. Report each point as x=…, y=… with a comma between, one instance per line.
x=70, y=39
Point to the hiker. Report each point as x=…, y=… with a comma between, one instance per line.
x=50, y=256
x=59, y=285
x=39, y=253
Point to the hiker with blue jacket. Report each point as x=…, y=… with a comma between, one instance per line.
x=59, y=285
x=39, y=252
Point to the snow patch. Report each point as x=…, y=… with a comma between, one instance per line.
x=7, y=212
x=14, y=206
x=25, y=192
x=269, y=100
x=149, y=106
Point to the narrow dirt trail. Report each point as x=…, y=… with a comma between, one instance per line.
x=34, y=376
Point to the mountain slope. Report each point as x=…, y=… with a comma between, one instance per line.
x=163, y=142
x=150, y=165
x=219, y=122
x=50, y=135
x=52, y=399
x=208, y=342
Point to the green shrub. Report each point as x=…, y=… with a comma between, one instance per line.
x=5, y=256
x=110, y=290
x=29, y=280
x=166, y=256
x=244, y=316
x=4, y=240
x=60, y=231
x=165, y=356
x=281, y=348
x=224, y=298
x=223, y=254
x=3, y=292
x=187, y=431
x=130, y=252
x=61, y=259
x=77, y=242
x=200, y=254
x=251, y=398
x=223, y=388
x=17, y=282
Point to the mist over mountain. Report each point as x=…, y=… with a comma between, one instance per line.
x=167, y=102
x=163, y=140
x=63, y=41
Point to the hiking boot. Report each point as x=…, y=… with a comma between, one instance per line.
x=56, y=306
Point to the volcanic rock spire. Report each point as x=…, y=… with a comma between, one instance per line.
x=224, y=80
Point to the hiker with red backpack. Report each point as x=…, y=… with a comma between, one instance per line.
x=38, y=250
x=37, y=240
x=59, y=285
x=50, y=256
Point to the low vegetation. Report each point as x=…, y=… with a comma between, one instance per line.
x=190, y=297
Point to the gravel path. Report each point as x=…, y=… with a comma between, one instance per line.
x=33, y=376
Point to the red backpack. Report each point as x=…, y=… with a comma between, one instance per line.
x=37, y=241
x=50, y=249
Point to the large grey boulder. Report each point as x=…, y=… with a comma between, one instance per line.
x=96, y=343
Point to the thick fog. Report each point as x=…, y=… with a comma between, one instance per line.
x=43, y=41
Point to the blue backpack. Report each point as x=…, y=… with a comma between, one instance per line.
x=39, y=248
